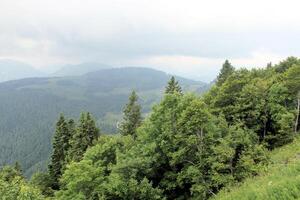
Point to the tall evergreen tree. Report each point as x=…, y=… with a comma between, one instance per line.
x=173, y=86
x=226, y=71
x=72, y=130
x=60, y=142
x=132, y=116
x=67, y=141
x=84, y=137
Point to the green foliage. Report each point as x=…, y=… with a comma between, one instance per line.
x=292, y=82
x=286, y=64
x=181, y=151
x=14, y=187
x=292, y=79
x=173, y=86
x=226, y=71
x=189, y=147
x=44, y=182
x=132, y=118
x=84, y=137
x=92, y=177
x=259, y=100
x=279, y=181
x=61, y=145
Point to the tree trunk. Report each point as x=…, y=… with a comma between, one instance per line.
x=231, y=166
x=297, y=118
x=200, y=140
x=265, y=130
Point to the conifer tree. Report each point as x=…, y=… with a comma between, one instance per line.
x=60, y=142
x=72, y=129
x=226, y=71
x=67, y=141
x=84, y=137
x=132, y=116
x=173, y=87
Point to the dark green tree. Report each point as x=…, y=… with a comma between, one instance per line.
x=84, y=137
x=226, y=71
x=58, y=157
x=173, y=86
x=43, y=182
x=132, y=117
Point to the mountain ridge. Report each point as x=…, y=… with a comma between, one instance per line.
x=80, y=69
x=13, y=70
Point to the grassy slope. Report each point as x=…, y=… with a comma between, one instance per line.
x=280, y=181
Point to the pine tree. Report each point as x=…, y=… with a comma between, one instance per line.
x=173, y=87
x=60, y=142
x=84, y=137
x=226, y=71
x=132, y=116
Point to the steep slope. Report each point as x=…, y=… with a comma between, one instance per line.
x=281, y=180
x=12, y=70
x=80, y=69
x=30, y=107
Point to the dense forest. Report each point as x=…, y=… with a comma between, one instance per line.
x=32, y=105
x=189, y=147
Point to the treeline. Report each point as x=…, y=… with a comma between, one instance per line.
x=190, y=147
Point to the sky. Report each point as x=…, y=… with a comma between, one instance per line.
x=191, y=38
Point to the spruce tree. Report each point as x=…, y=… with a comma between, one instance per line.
x=84, y=137
x=72, y=129
x=226, y=71
x=60, y=142
x=132, y=116
x=173, y=86
x=67, y=141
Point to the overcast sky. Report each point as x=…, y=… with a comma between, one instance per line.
x=186, y=37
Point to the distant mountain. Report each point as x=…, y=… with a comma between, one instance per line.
x=32, y=105
x=80, y=69
x=12, y=70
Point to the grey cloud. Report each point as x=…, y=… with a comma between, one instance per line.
x=121, y=31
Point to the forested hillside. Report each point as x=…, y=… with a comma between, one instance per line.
x=29, y=107
x=190, y=146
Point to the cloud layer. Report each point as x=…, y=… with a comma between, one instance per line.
x=191, y=37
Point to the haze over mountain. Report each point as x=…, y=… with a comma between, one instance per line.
x=12, y=70
x=32, y=105
x=80, y=69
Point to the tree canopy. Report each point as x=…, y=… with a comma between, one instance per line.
x=188, y=147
